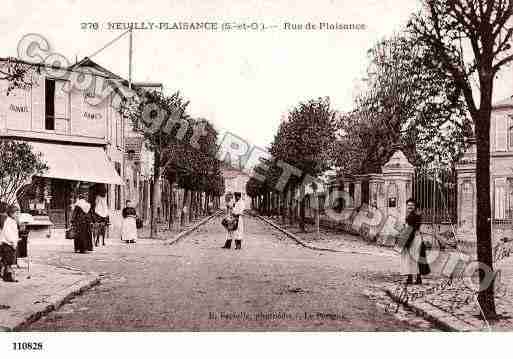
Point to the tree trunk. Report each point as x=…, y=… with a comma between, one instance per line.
x=185, y=209
x=190, y=205
x=291, y=204
x=302, y=200
x=194, y=206
x=484, y=216
x=171, y=206
x=316, y=213
x=283, y=207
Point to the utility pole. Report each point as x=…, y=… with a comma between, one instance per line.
x=122, y=117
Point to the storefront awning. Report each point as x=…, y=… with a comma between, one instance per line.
x=77, y=163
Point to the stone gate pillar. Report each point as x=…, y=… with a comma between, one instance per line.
x=347, y=180
x=397, y=177
x=357, y=191
x=466, y=181
x=376, y=191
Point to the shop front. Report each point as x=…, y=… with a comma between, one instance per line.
x=53, y=193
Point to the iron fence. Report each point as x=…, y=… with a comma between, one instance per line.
x=435, y=190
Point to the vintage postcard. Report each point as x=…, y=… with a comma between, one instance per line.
x=254, y=166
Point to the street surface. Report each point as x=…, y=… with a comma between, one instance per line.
x=271, y=284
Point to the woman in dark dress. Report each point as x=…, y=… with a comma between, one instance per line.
x=81, y=222
x=413, y=255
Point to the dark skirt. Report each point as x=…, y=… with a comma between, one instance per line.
x=83, y=241
x=7, y=254
x=424, y=268
x=96, y=218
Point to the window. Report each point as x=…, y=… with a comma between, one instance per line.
x=119, y=131
x=510, y=132
x=49, y=104
x=57, y=106
x=503, y=208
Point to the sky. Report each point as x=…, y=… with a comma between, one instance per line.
x=242, y=81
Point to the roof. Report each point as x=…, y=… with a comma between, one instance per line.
x=87, y=62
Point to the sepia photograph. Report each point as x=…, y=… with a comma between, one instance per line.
x=255, y=171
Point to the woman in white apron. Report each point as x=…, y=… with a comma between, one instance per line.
x=411, y=261
x=128, y=225
x=238, y=211
x=229, y=221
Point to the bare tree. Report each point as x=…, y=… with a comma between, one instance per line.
x=481, y=28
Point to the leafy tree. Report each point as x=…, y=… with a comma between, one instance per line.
x=471, y=40
x=18, y=164
x=407, y=100
x=304, y=141
x=158, y=118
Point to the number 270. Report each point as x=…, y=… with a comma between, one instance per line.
x=89, y=26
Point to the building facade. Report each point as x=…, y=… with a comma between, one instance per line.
x=81, y=139
x=501, y=177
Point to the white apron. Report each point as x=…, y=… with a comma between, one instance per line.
x=410, y=257
x=239, y=209
x=128, y=229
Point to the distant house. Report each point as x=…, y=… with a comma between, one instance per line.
x=235, y=181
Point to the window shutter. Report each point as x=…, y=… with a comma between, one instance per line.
x=38, y=103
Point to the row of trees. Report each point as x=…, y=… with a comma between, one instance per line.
x=301, y=151
x=185, y=153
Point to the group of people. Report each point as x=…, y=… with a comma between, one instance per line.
x=85, y=217
x=233, y=222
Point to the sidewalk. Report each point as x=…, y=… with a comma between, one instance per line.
x=330, y=240
x=43, y=289
x=453, y=305
x=449, y=304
